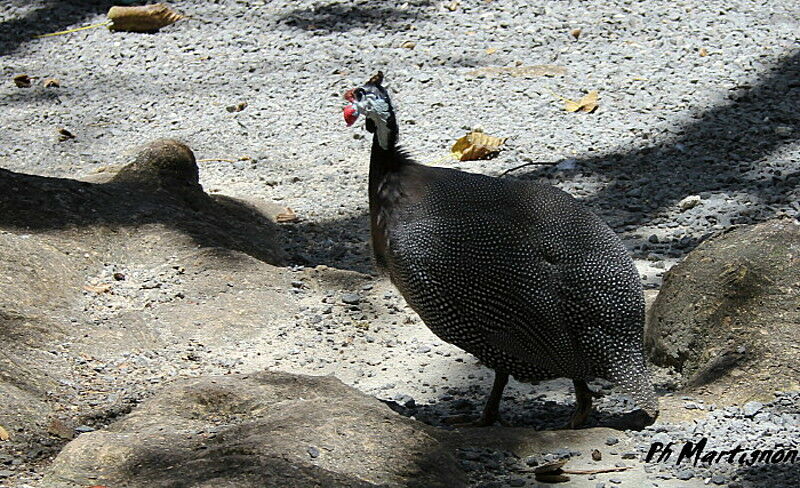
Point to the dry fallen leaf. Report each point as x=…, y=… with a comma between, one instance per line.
x=237, y=108
x=551, y=467
x=476, y=145
x=576, y=33
x=287, y=216
x=22, y=81
x=144, y=18
x=586, y=104
x=535, y=70
x=453, y=6
x=65, y=135
x=4, y=434
x=97, y=288
x=613, y=469
x=491, y=50
x=52, y=83
x=703, y=52
x=409, y=44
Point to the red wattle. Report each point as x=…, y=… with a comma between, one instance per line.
x=350, y=114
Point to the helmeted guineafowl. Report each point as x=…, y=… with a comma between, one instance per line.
x=517, y=273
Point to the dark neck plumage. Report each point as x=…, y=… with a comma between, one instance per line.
x=384, y=161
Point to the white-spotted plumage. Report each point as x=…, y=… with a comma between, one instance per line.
x=519, y=274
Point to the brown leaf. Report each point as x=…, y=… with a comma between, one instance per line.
x=144, y=18
x=576, y=33
x=596, y=455
x=22, y=81
x=409, y=44
x=64, y=135
x=532, y=71
x=476, y=145
x=52, y=83
x=104, y=288
x=287, y=216
x=586, y=104
x=453, y=6
x=551, y=467
x=612, y=469
x=4, y=436
x=237, y=108
x=702, y=52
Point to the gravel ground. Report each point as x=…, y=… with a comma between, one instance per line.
x=697, y=131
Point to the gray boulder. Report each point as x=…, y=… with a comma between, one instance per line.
x=727, y=316
x=262, y=430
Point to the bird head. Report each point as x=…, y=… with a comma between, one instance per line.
x=372, y=101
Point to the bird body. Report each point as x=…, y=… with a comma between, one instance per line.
x=519, y=274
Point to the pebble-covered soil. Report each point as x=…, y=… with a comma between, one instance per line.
x=696, y=131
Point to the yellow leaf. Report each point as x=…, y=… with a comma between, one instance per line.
x=287, y=216
x=97, y=288
x=491, y=50
x=571, y=106
x=586, y=104
x=476, y=145
x=144, y=18
x=4, y=436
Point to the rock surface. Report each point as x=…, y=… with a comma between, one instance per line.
x=727, y=316
x=84, y=266
x=259, y=430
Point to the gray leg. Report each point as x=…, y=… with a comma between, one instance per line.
x=583, y=398
x=491, y=412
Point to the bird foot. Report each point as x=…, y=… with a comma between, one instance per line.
x=636, y=420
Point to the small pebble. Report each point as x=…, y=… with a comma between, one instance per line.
x=351, y=299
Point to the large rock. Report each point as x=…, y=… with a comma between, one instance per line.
x=261, y=430
x=64, y=318
x=727, y=316
x=32, y=292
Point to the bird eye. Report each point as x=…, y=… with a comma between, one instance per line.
x=359, y=94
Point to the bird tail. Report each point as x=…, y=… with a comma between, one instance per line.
x=633, y=377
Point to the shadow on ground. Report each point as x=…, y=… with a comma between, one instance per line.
x=153, y=190
x=724, y=149
x=342, y=17
x=51, y=16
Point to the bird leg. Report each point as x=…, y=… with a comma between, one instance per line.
x=583, y=397
x=491, y=411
